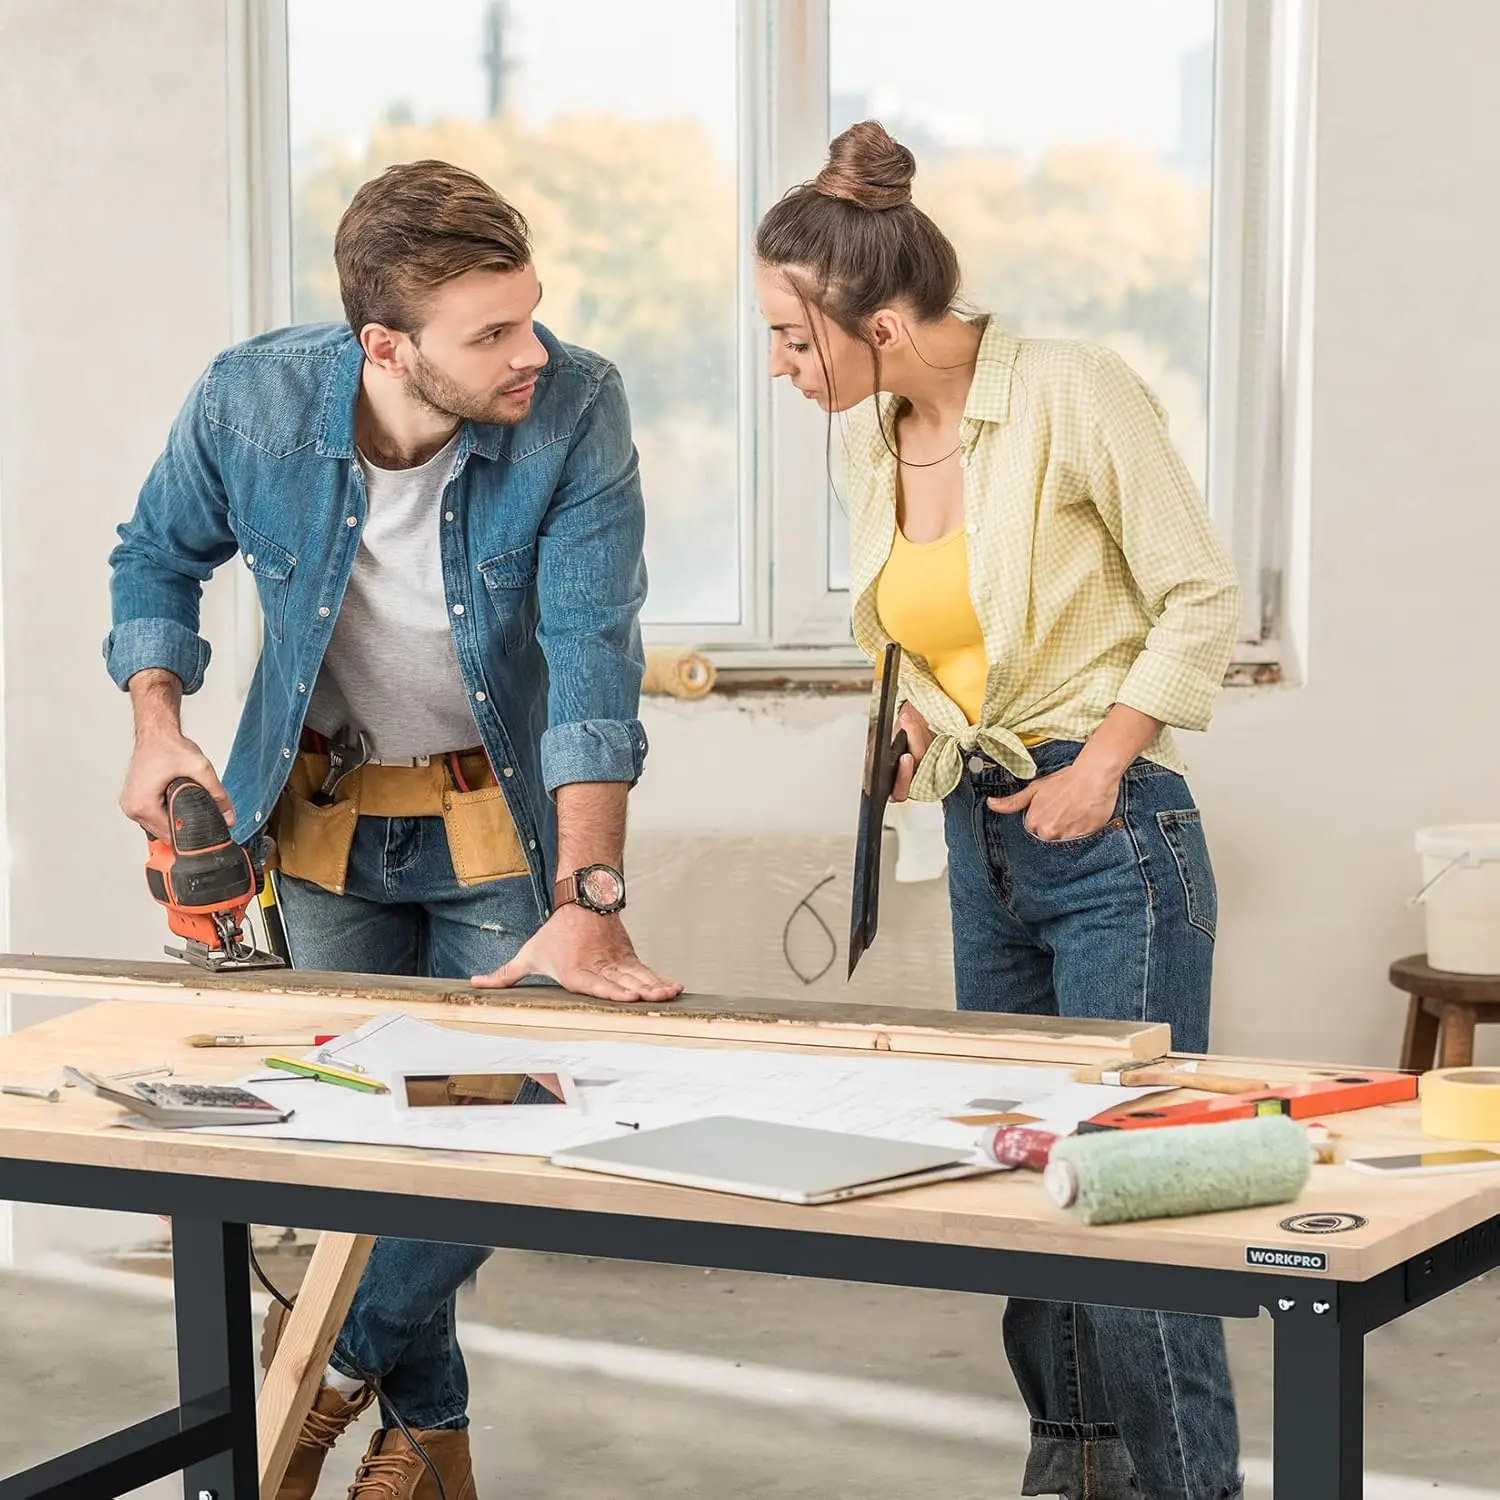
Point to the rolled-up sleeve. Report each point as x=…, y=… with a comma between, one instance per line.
x=1152, y=509
x=168, y=549
x=591, y=584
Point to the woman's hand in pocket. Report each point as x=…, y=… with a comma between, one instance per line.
x=1068, y=804
x=919, y=741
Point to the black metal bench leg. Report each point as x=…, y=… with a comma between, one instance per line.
x=215, y=1362
x=1317, y=1450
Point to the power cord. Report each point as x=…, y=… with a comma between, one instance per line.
x=805, y=904
x=266, y=1281
x=373, y=1381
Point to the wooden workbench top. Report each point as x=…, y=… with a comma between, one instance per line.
x=1405, y=1216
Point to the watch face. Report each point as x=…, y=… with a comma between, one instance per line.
x=603, y=887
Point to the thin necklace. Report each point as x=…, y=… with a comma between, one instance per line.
x=907, y=463
x=931, y=463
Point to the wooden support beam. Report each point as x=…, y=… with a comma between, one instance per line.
x=291, y=1383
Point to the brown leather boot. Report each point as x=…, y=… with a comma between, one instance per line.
x=393, y=1470
x=323, y=1426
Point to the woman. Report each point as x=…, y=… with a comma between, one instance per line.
x=1022, y=526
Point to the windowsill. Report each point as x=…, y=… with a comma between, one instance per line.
x=1255, y=674
x=830, y=672
x=741, y=682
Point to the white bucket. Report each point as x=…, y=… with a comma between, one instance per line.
x=1461, y=891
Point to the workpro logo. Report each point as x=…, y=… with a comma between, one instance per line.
x=1287, y=1260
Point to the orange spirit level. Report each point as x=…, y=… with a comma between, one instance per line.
x=1302, y=1101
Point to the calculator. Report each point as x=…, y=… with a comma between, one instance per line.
x=184, y=1105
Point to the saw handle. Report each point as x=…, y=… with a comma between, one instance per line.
x=194, y=819
x=200, y=872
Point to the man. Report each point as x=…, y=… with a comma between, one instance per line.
x=440, y=507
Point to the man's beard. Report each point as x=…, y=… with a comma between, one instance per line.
x=445, y=396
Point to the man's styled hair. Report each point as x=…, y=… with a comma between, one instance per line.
x=411, y=229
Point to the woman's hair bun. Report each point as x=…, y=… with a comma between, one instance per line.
x=869, y=168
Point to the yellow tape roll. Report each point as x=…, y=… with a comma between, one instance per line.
x=1461, y=1104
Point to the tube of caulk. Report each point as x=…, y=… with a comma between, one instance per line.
x=1018, y=1146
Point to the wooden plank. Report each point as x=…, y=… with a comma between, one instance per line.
x=1405, y=1215
x=912, y=1030
x=291, y=1384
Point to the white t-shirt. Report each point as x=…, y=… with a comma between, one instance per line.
x=391, y=669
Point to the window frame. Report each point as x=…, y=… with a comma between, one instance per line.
x=789, y=616
x=1261, y=158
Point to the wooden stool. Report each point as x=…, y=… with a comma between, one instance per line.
x=1445, y=1008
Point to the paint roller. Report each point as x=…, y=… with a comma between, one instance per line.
x=1115, y=1177
x=678, y=674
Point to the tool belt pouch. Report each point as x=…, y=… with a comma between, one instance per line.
x=482, y=839
x=312, y=842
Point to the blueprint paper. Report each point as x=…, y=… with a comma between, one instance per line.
x=637, y=1085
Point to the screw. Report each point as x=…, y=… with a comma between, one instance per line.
x=1320, y=1307
x=1284, y=1303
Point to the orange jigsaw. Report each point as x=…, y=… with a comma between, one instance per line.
x=206, y=882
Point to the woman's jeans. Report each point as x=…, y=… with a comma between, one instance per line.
x=1118, y=925
x=404, y=912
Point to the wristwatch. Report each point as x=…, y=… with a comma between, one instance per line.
x=597, y=888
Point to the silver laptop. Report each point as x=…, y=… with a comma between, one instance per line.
x=790, y=1163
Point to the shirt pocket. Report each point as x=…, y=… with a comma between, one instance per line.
x=509, y=582
x=271, y=566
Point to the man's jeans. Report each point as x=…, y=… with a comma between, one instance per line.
x=404, y=912
x=1120, y=925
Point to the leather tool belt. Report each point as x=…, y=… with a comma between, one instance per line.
x=315, y=819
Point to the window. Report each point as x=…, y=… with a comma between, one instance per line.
x=622, y=160
x=1106, y=168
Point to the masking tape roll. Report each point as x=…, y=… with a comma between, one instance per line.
x=678, y=674
x=1461, y=1104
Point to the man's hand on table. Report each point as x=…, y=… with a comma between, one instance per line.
x=588, y=954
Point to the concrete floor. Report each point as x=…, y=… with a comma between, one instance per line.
x=600, y=1381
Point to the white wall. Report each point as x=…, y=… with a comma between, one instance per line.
x=114, y=290
x=1316, y=792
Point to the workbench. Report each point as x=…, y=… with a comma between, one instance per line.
x=1377, y=1248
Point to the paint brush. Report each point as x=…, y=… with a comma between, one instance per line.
x=1161, y=1072
x=245, y=1039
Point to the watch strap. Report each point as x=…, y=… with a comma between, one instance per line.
x=569, y=890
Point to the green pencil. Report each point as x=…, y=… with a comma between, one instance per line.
x=325, y=1074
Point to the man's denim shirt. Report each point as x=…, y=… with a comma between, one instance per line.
x=542, y=530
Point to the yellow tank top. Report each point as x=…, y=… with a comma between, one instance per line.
x=923, y=601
